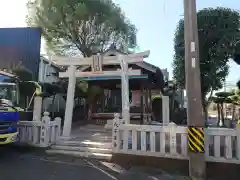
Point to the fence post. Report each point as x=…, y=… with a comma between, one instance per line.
x=35, y=133
x=115, y=133
x=58, y=122
x=145, y=119
x=44, y=137
x=238, y=141
x=172, y=134
x=37, y=111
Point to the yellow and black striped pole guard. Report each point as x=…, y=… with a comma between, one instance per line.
x=196, y=139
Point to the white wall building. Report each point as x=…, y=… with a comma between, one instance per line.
x=48, y=71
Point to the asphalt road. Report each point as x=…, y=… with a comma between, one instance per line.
x=25, y=164
x=32, y=164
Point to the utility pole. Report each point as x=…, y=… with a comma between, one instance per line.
x=197, y=166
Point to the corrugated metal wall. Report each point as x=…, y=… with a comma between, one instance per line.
x=20, y=46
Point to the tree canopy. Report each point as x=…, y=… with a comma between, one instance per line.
x=218, y=30
x=82, y=27
x=23, y=74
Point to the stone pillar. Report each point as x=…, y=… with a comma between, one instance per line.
x=165, y=110
x=125, y=90
x=44, y=136
x=116, y=139
x=37, y=108
x=37, y=116
x=238, y=139
x=70, y=102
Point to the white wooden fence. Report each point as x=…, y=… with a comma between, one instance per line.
x=221, y=144
x=40, y=133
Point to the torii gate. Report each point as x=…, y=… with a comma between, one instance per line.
x=96, y=62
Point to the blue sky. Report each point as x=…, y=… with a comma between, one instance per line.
x=155, y=20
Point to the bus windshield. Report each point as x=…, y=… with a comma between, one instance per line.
x=8, y=91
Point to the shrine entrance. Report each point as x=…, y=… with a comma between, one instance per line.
x=95, y=72
x=121, y=76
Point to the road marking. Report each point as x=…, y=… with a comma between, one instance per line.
x=153, y=178
x=101, y=170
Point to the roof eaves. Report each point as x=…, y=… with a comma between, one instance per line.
x=52, y=63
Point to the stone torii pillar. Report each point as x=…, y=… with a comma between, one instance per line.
x=125, y=90
x=70, y=102
x=96, y=63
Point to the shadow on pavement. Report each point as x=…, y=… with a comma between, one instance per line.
x=215, y=171
x=27, y=163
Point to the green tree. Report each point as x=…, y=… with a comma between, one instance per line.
x=218, y=30
x=23, y=74
x=220, y=98
x=235, y=98
x=82, y=26
x=85, y=27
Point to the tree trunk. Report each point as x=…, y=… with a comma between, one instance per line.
x=89, y=115
x=52, y=105
x=86, y=108
x=89, y=107
x=222, y=115
x=233, y=111
x=219, y=115
x=92, y=104
x=172, y=104
x=205, y=104
x=205, y=110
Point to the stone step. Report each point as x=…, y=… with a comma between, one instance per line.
x=85, y=143
x=99, y=156
x=82, y=149
x=92, y=128
x=92, y=134
x=101, y=130
x=92, y=138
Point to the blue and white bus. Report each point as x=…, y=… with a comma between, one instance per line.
x=9, y=113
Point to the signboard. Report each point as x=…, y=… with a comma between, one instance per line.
x=97, y=63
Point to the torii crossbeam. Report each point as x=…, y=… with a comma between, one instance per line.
x=96, y=62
